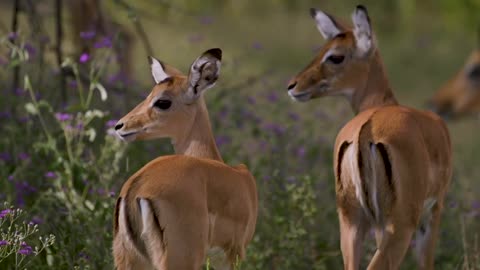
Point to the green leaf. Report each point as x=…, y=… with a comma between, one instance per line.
x=91, y=133
x=101, y=89
x=31, y=109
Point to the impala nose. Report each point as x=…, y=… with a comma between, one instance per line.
x=291, y=85
x=118, y=126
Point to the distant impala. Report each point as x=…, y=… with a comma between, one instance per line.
x=461, y=94
x=392, y=163
x=176, y=208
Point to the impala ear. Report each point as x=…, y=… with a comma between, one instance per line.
x=158, y=70
x=203, y=73
x=473, y=73
x=327, y=26
x=362, y=29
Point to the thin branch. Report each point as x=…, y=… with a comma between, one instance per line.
x=13, y=37
x=132, y=14
x=58, y=47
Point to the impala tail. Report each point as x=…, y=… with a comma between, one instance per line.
x=137, y=225
x=378, y=180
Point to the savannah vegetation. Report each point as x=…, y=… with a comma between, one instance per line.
x=61, y=167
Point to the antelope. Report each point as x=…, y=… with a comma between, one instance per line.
x=392, y=163
x=461, y=94
x=177, y=208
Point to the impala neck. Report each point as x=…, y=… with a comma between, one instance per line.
x=377, y=91
x=198, y=141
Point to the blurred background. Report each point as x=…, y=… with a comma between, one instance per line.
x=70, y=68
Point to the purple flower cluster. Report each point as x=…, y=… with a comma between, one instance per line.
x=111, y=123
x=105, y=42
x=87, y=34
x=25, y=249
x=62, y=117
x=4, y=243
x=50, y=175
x=84, y=57
x=5, y=212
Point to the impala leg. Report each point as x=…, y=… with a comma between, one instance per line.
x=426, y=239
x=352, y=233
x=393, y=247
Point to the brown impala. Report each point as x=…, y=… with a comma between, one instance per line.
x=177, y=208
x=392, y=163
x=461, y=94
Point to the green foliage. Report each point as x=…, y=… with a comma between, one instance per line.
x=59, y=162
x=18, y=247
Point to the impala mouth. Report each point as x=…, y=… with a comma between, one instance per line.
x=303, y=96
x=127, y=136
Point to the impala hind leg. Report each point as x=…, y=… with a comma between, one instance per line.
x=352, y=233
x=393, y=247
x=426, y=237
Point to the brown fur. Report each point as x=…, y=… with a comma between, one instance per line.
x=390, y=161
x=174, y=209
x=461, y=94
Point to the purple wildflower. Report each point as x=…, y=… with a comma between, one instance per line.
x=32, y=51
x=23, y=119
x=3, y=61
x=50, y=175
x=206, y=20
x=23, y=156
x=272, y=97
x=274, y=128
x=111, y=194
x=84, y=57
x=19, y=92
x=25, y=249
x=301, y=152
x=45, y=39
x=3, y=243
x=195, y=38
x=222, y=140
x=105, y=42
x=111, y=123
x=12, y=35
x=5, y=156
x=453, y=204
x=294, y=116
x=84, y=255
x=257, y=46
x=251, y=100
x=291, y=179
x=87, y=34
x=476, y=205
x=37, y=220
x=62, y=117
x=10, y=178
x=72, y=84
x=5, y=212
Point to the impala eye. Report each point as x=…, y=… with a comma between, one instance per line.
x=162, y=104
x=336, y=59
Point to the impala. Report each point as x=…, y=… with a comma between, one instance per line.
x=392, y=163
x=461, y=94
x=176, y=208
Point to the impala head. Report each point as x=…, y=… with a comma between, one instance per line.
x=171, y=106
x=461, y=95
x=342, y=64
